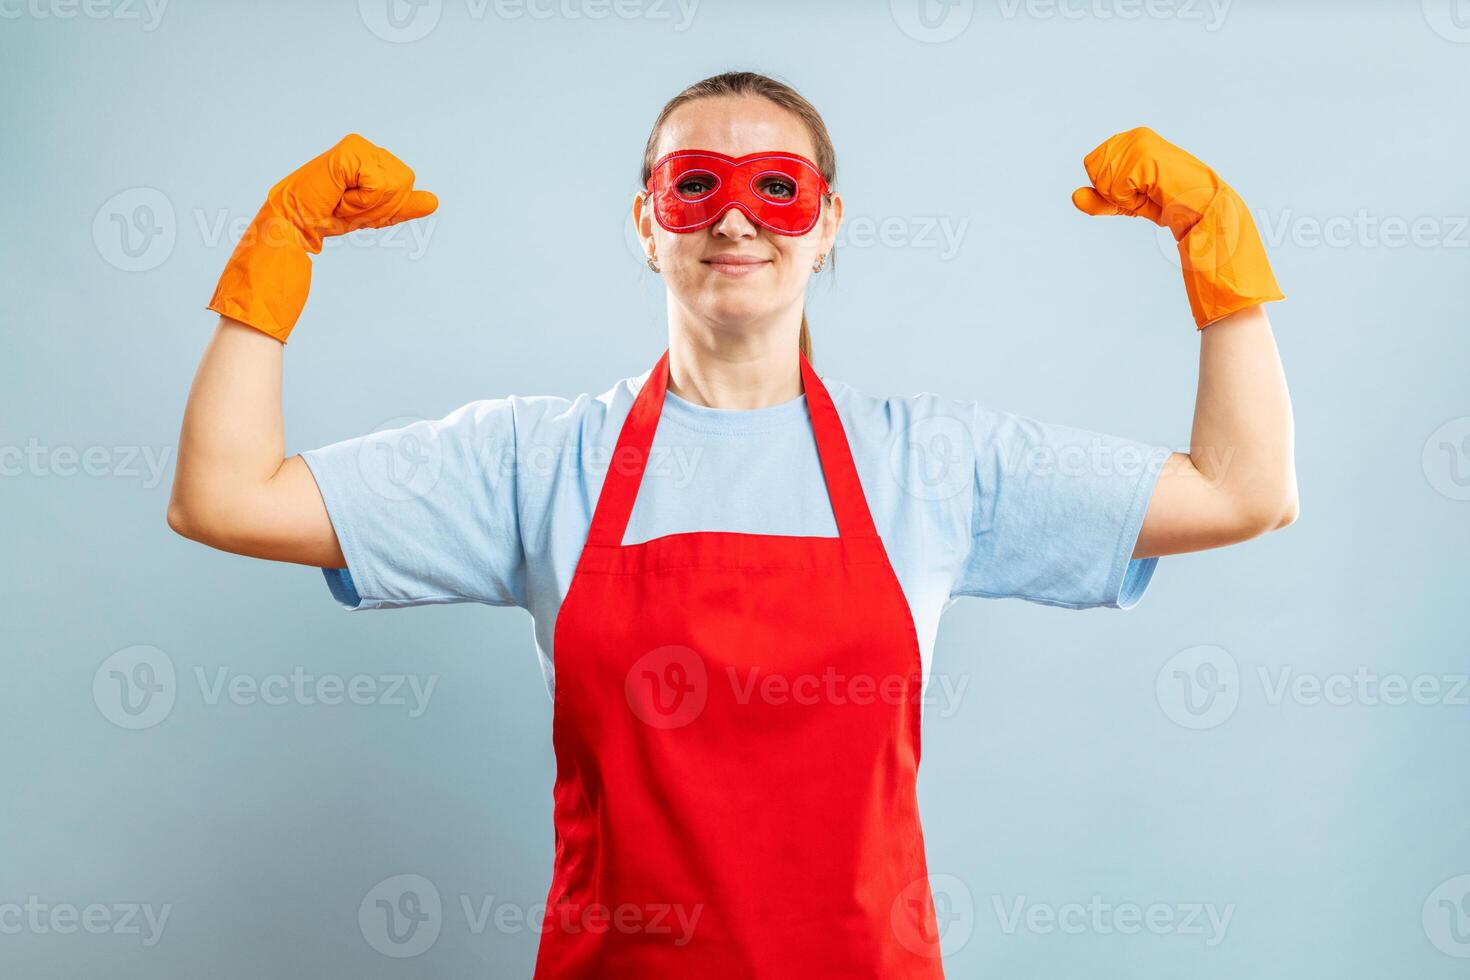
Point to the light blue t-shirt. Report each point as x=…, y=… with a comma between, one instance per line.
x=492, y=503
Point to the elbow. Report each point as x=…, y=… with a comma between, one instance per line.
x=1289, y=513
x=1263, y=516
x=181, y=520
x=187, y=520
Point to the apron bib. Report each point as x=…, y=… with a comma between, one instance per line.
x=736, y=727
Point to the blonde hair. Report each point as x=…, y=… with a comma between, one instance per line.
x=750, y=83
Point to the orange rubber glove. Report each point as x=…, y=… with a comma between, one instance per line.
x=1140, y=173
x=353, y=185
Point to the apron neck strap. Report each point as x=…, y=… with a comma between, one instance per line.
x=630, y=458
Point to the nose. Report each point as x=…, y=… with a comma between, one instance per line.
x=734, y=223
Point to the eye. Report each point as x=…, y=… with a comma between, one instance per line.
x=779, y=188
x=695, y=184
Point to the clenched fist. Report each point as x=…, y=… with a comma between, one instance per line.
x=1141, y=174
x=353, y=185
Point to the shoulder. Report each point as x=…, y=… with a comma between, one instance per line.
x=941, y=422
x=898, y=418
x=580, y=417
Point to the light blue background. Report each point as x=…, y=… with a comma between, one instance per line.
x=1062, y=774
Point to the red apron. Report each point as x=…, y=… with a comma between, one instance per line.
x=736, y=727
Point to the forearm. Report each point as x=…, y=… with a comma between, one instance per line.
x=1242, y=440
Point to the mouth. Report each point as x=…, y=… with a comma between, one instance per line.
x=736, y=265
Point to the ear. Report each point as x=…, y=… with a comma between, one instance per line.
x=643, y=216
x=831, y=222
x=643, y=219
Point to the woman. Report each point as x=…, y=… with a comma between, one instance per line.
x=736, y=568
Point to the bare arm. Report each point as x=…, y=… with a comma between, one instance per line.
x=233, y=487
x=1238, y=479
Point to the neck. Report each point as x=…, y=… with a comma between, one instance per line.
x=752, y=366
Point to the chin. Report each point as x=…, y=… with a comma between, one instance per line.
x=737, y=315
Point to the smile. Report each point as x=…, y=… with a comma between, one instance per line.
x=736, y=265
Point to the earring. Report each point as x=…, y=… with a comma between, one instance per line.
x=653, y=263
x=817, y=265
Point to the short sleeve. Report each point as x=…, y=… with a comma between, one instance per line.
x=1056, y=513
x=426, y=512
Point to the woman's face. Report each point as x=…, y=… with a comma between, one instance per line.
x=727, y=294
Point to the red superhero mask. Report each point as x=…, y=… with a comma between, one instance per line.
x=781, y=192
